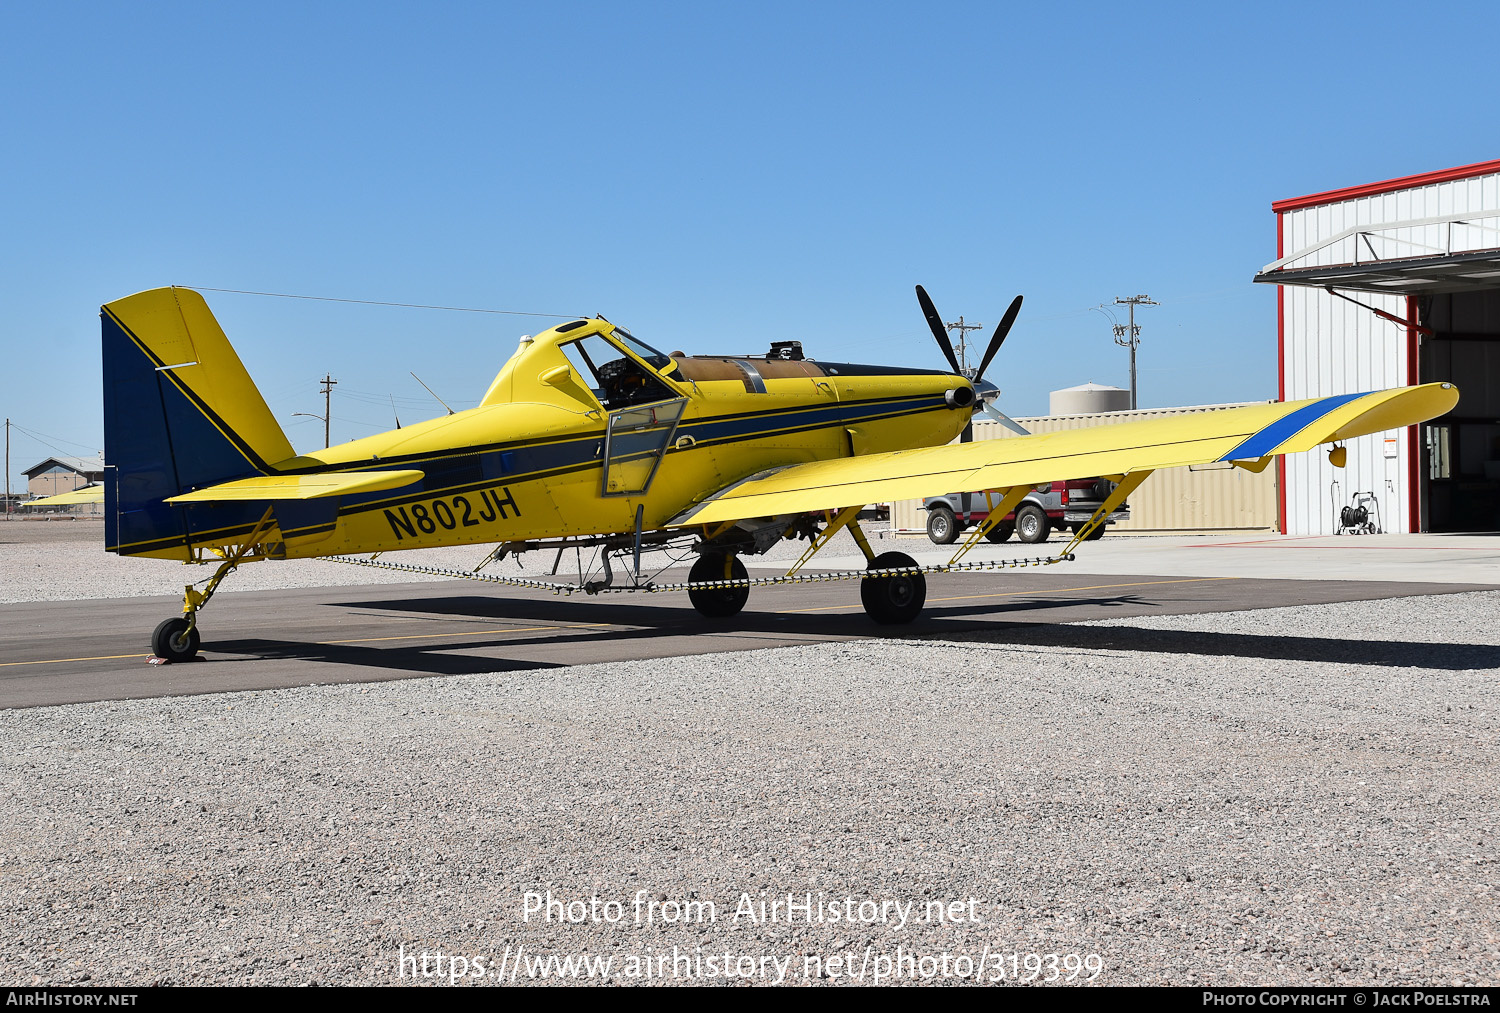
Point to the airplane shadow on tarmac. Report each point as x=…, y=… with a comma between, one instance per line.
x=1383, y=653
x=679, y=630
x=431, y=659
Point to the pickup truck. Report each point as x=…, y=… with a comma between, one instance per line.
x=1056, y=505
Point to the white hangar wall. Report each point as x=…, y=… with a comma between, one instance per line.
x=1330, y=346
x=1333, y=347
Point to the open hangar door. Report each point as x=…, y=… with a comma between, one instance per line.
x=1398, y=281
x=1460, y=479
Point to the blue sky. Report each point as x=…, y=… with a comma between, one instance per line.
x=715, y=176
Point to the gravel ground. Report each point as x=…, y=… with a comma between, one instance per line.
x=1296, y=796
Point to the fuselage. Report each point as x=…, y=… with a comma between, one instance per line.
x=548, y=454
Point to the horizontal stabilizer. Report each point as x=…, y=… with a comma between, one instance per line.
x=88, y=494
x=283, y=487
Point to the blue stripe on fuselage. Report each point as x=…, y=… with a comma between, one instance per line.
x=534, y=460
x=1268, y=439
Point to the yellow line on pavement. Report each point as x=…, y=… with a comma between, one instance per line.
x=61, y=661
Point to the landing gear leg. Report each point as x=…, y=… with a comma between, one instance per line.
x=860, y=540
x=891, y=599
x=177, y=639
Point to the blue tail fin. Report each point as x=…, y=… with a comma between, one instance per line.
x=180, y=412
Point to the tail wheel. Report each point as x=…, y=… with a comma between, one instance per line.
x=893, y=600
x=942, y=526
x=174, y=640
x=1000, y=533
x=718, y=602
x=1032, y=524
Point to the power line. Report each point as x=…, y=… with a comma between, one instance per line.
x=374, y=302
x=38, y=438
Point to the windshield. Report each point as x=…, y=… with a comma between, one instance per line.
x=616, y=380
x=640, y=348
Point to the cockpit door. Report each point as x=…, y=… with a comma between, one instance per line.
x=635, y=440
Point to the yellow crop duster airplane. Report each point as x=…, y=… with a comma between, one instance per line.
x=591, y=438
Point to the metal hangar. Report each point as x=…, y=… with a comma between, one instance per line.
x=1384, y=284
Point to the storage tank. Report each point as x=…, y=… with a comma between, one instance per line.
x=1088, y=399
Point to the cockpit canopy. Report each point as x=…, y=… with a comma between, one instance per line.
x=618, y=381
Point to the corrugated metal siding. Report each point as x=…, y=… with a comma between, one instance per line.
x=1173, y=499
x=1333, y=347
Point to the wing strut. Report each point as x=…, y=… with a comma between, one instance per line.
x=844, y=517
x=997, y=512
x=1111, y=503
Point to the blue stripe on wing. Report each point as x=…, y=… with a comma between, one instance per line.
x=1268, y=439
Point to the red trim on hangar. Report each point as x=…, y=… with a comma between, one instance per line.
x=1386, y=186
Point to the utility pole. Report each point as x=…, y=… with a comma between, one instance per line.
x=7, y=469
x=963, y=345
x=328, y=381
x=967, y=436
x=1130, y=337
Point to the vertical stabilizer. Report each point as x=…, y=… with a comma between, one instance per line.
x=180, y=412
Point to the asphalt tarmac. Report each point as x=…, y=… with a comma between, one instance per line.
x=97, y=649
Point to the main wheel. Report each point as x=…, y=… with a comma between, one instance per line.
x=942, y=526
x=1000, y=533
x=893, y=600
x=1032, y=524
x=174, y=641
x=718, y=602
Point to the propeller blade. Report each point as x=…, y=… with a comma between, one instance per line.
x=1004, y=419
x=1001, y=330
x=938, y=330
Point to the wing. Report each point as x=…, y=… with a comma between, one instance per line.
x=1251, y=435
x=88, y=494
x=282, y=487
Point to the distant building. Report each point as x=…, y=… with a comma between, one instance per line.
x=63, y=474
